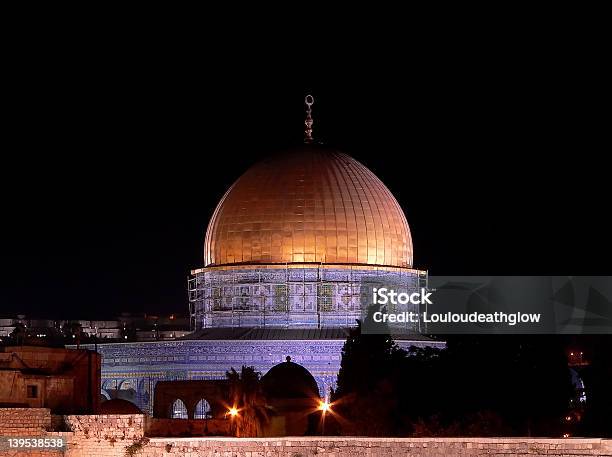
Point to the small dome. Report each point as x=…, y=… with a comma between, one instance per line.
x=289, y=380
x=309, y=204
x=118, y=406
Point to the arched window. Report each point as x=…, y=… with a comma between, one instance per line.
x=202, y=410
x=126, y=385
x=178, y=410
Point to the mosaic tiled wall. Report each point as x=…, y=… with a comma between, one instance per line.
x=131, y=370
x=296, y=297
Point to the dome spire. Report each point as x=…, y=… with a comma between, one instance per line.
x=309, y=100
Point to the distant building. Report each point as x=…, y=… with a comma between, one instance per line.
x=127, y=327
x=63, y=380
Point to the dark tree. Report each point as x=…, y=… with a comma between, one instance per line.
x=598, y=386
x=18, y=335
x=72, y=330
x=366, y=398
x=129, y=332
x=246, y=395
x=366, y=359
x=480, y=385
x=524, y=379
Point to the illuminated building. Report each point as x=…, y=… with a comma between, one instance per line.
x=291, y=255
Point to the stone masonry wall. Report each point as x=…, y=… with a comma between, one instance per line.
x=349, y=447
x=121, y=435
x=112, y=427
x=186, y=427
x=24, y=421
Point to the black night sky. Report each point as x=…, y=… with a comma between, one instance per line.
x=116, y=158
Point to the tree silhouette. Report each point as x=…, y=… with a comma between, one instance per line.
x=597, y=381
x=18, y=335
x=367, y=390
x=479, y=385
x=246, y=395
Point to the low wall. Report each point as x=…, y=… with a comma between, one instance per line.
x=349, y=447
x=121, y=435
x=111, y=428
x=186, y=427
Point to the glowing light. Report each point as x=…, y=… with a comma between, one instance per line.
x=324, y=406
x=568, y=418
x=566, y=435
x=233, y=412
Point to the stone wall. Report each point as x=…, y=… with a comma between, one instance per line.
x=186, y=427
x=121, y=435
x=24, y=421
x=345, y=447
x=111, y=428
x=357, y=447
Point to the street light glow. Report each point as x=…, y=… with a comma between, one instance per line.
x=233, y=412
x=324, y=406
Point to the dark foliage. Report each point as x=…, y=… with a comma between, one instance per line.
x=480, y=385
x=597, y=378
x=246, y=395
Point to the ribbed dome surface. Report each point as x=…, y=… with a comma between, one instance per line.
x=311, y=204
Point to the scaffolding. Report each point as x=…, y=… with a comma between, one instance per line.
x=291, y=296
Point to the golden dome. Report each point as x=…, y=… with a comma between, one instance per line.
x=312, y=204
